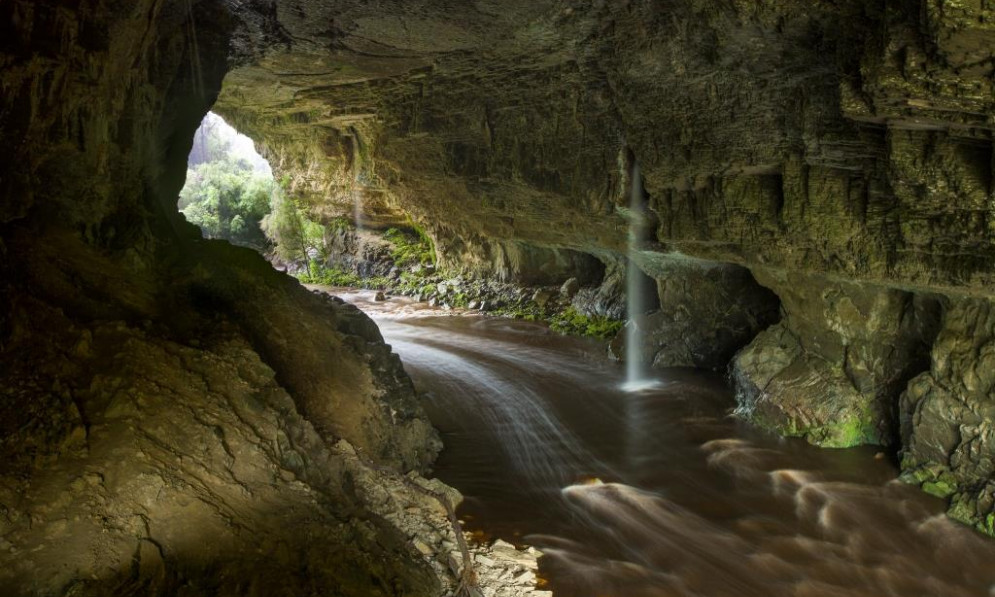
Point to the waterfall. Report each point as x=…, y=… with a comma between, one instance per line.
x=636, y=375
x=357, y=217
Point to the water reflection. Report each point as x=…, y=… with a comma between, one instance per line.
x=691, y=503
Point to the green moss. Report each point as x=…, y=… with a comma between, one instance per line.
x=410, y=248
x=572, y=321
x=940, y=489
x=329, y=277
x=849, y=432
x=460, y=299
x=963, y=510
x=528, y=312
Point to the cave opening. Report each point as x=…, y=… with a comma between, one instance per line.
x=229, y=189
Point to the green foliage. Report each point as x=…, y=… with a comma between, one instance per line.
x=528, y=312
x=377, y=283
x=341, y=224
x=410, y=248
x=572, y=321
x=295, y=238
x=227, y=199
x=408, y=283
x=328, y=276
x=333, y=276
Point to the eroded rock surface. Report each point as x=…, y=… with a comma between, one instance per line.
x=706, y=313
x=170, y=405
x=947, y=414
x=830, y=369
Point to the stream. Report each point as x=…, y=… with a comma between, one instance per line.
x=662, y=492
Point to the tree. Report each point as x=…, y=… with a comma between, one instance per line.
x=295, y=238
x=227, y=199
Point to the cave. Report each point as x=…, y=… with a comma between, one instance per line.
x=513, y=298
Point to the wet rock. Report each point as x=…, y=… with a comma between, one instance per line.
x=570, y=289
x=608, y=298
x=832, y=369
x=380, y=296
x=706, y=313
x=946, y=415
x=543, y=296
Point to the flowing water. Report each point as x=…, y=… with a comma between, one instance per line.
x=688, y=502
x=636, y=377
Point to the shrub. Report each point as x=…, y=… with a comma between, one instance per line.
x=410, y=248
x=572, y=321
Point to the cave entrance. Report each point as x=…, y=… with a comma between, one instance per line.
x=230, y=189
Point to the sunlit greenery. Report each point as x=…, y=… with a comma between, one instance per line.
x=410, y=248
x=228, y=199
x=295, y=238
x=226, y=195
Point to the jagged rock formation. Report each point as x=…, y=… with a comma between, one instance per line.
x=170, y=405
x=947, y=415
x=831, y=368
x=706, y=313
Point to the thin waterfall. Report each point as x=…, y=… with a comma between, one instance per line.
x=196, y=64
x=357, y=205
x=636, y=377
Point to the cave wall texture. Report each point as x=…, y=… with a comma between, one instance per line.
x=171, y=409
x=838, y=154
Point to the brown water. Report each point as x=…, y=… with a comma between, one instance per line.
x=690, y=502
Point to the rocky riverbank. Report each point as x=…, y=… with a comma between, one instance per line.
x=409, y=503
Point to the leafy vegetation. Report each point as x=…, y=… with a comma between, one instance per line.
x=333, y=276
x=294, y=236
x=227, y=195
x=316, y=274
x=572, y=321
x=410, y=248
x=227, y=199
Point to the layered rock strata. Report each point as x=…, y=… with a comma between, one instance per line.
x=170, y=406
x=843, y=147
x=844, y=144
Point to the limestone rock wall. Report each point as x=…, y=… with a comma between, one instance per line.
x=841, y=151
x=947, y=413
x=830, y=370
x=170, y=405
